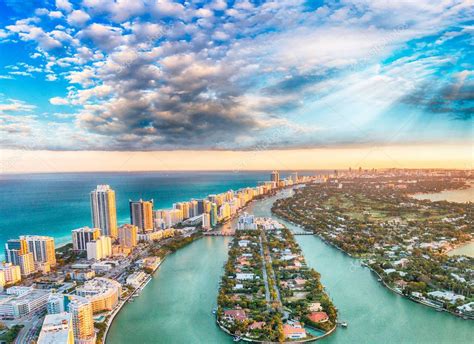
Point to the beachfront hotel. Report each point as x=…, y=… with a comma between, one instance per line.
x=275, y=177
x=128, y=236
x=141, y=215
x=9, y=273
x=42, y=247
x=81, y=236
x=100, y=248
x=103, y=209
x=103, y=293
x=17, y=253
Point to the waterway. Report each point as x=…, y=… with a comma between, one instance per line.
x=466, y=250
x=459, y=196
x=176, y=305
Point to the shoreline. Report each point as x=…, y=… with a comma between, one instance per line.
x=273, y=284
x=152, y=275
x=461, y=245
x=122, y=303
x=464, y=317
x=467, y=186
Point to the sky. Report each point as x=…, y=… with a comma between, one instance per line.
x=236, y=85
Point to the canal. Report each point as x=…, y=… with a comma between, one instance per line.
x=176, y=305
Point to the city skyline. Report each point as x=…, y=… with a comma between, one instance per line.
x=127, y=85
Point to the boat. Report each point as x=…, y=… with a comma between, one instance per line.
x=380, y=280
x=214, y=311
x=236, y=339
x=344, y=324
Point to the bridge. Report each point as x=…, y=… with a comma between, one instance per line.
x=219, y=234
x=233, y=232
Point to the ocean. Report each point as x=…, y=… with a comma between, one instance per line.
x=55, y=204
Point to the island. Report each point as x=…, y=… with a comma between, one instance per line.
x=374, y=218
x=267, y=292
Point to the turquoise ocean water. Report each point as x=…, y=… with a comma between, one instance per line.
x=54, y=204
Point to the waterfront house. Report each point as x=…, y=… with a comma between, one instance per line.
x=300, y=282
x=258, y=325
x=294, y=331
x=315, y=307
x=318, y=317
x=244, y=276
x=446, y=295
x=235, y=315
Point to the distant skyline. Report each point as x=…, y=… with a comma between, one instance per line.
x=426, y=156
x=235, y=85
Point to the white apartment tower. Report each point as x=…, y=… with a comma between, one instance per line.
x=103, y=210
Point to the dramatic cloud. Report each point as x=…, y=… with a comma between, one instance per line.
x=164, y=74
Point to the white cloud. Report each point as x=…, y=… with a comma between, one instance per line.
x=64, y=5
x=168, y=8
x=78, y=18
x=106, y=37
x=29, y=32
x=15, y=105
x=58, y=101
x=55, y=14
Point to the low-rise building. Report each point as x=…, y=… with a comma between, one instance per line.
x=22, y=301
x=137, y=278
x=57, y=329
x=103, y=293
x=294, y=331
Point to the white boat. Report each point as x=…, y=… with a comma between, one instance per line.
x=237, y=339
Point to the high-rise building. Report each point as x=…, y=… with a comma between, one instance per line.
x=3, y=280
x=57, y=303
x=128, y=236
x=141, y=215
x=275, y=177
x=225, y=211
x=103, y=293
x=13, y=249
x=83, y=235
x=42, y=248
x=12, y=272
x=206, y=221
x=166, y=218
x=27, y=264
x=184, y=207
x=17, y=253
x=200, y=207
x=100, y=248
x=82, y=320
x=193, y=208
x=57, y=329
x=104, y=213
x=213, y=215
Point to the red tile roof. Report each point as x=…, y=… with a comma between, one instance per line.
x=236, y=314
x=318, y=317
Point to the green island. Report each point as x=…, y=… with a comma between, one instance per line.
x=402, y=239
x=268, y=293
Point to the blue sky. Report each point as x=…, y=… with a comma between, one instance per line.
x=234, y=75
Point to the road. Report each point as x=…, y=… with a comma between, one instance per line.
x=265, y=277
x=28, y=333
